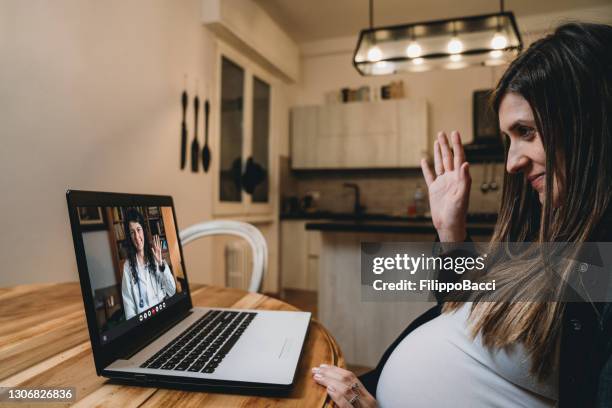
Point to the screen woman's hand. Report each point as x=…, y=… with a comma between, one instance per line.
x=449, y=188
x=157, y=250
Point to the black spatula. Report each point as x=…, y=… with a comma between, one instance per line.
x=206, y=150
x=195, y=145
x=184, y=102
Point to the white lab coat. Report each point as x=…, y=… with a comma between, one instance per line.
x=155, y=286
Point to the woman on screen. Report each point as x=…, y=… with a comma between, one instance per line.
x=147, y=278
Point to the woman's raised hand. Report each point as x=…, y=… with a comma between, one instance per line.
x=449, y=188
x=157, y=250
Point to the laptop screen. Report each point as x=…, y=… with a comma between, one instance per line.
x=134, y=264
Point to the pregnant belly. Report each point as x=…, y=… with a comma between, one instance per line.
x=440, y=365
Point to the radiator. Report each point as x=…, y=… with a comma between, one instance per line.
x=238, y=264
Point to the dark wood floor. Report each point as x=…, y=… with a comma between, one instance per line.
x=306, y=300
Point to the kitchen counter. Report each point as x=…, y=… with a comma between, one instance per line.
x=473, y=218
x=407, y=227
x=321, y=251
x=337, y=216
x=478, y=224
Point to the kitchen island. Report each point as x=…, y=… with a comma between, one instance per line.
x=364, y=329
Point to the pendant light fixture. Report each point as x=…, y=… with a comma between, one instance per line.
x=487, y=39
x=414, y=49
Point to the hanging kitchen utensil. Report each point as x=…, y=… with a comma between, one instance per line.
x=254, y=174
x=206, y=150
x=493, y=183
x=195, y=145
x=484, y=187
x=184, y=102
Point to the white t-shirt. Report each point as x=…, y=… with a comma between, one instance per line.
x=155, y=286
x=440, y=365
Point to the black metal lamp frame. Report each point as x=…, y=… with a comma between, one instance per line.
x=431, y=28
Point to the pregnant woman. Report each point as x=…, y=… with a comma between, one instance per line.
x=554, y=105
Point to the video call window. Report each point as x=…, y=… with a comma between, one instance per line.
x=133, y=260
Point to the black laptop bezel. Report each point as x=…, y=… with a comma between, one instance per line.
x=137, y=338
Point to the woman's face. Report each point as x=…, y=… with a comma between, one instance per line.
x=137, y=235
x=526, y=153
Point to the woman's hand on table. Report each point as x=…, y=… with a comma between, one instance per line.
x=343, y=387
x=449, y=188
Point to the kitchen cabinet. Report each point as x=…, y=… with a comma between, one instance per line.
x=364, y=329
x=246, y=135
x=248, y=115
x=341, y=307
x=299, y=251
x=383, y=134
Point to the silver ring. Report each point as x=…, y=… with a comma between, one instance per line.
x=355, y=386
x=353, y=400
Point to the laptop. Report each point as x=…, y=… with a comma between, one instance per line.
x=142, y=324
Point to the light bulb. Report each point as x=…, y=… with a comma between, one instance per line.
x=413, y=50
x=455, y=46
x=418, y=61
x=495, y=54
x=374, y=54
x=455, y=57
x=382, y=68
x=499, y=41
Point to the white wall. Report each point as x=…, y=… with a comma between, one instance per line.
x=90, y=99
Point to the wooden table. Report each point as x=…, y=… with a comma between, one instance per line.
x=44, y=342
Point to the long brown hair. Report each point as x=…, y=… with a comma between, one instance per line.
x=133, y=215
x=566, y=78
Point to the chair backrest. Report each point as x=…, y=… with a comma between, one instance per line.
x=242, y=229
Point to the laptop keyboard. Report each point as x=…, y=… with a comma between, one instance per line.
x=204, y=344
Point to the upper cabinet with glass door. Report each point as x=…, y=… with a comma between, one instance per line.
x=258, y=165
x=245, y=171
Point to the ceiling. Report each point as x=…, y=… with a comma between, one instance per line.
x=311, y=20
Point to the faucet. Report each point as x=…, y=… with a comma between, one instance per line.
x=357, y=208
